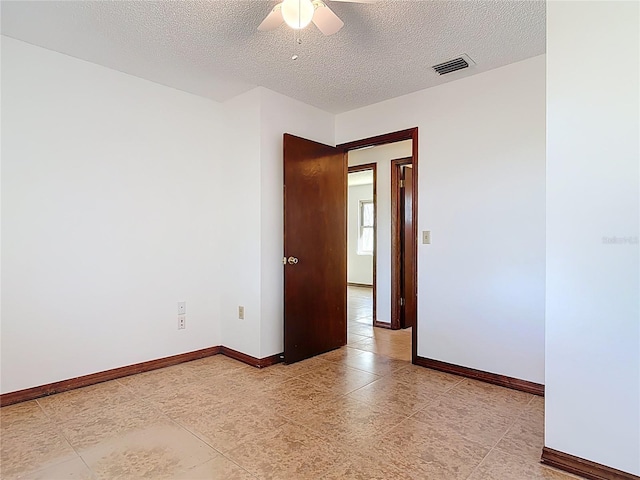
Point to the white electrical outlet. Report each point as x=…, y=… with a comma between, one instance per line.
x=182, y=308
x=426, y=237
x=241, y=312
x=182, y=322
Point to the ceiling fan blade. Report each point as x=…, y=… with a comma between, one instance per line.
x=273, y=20
x=327, y=21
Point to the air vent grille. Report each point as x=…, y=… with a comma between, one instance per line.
x=454, y=65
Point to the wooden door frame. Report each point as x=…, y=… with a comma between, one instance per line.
x=396, y=247
x=364, y=168
x=408, y=134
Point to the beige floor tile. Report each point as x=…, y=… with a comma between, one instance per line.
x=367, y=361
x=293, y=396
x=159, y=451
x=191, y=400
x=476, y=422
x=431, y=381
x=161, y=382
x=364, y=467
x=304, y=366
x=93, y=426
x=29, y=447
x=395, y=396
x=232, y=424
x=66, y=405
x=525, y=438
x=360, y=329
x=476, y=392
x=220, y=468
x=499, y=465
x=22, y=414
x=348, y=420
x=71, y=470
x=338, y=378
x=212, y=366
x=289, y=452
x=445, y=453
x=253, y=379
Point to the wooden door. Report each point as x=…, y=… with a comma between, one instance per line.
x=408, y=315
x=315, y=239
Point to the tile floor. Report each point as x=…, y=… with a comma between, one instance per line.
x=363, y=336
x=353, y=413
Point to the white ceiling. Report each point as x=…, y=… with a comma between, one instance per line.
x=212, y=48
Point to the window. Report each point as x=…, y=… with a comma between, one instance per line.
x=366, y=219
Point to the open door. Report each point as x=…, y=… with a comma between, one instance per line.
x=315, y=232
x=409, y=310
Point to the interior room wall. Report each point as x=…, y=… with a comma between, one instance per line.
x=382, y=155
x=109, y=218
x=241, y=224
x=359, y=266
x=592, y=397
x=482, y=195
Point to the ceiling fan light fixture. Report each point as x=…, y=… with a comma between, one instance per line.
x=297, y=13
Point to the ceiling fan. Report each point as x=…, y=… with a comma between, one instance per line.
x=299, y=13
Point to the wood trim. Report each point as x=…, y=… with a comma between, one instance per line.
x=494, y=378
x=362, y=168
x=99, y=377
x=414, y=206
x=378, y=324
x=393, y=137
x=252, y=361
x=359, y=285
x=580, y=466
x=396, y=224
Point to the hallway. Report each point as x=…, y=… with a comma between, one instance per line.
x=361, y=334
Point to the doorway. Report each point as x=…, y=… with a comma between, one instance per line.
x=361, y=251
x=390, y=328
x=403, y=234
x=315, y=303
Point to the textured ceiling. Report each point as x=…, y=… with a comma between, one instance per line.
x=212, y=48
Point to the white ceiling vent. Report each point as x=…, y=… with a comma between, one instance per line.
x=463, y=61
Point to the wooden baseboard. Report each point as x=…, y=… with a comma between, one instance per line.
x=378, y=324
x=502, y=380
x=582, y=467
x=249, y=360
x=363, y=285
x=99, y=377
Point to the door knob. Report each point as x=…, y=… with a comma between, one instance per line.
x=292, y=260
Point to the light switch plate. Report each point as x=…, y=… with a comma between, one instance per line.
x=426, y=237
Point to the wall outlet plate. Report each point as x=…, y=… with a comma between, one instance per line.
x=182, y=322
x=240, y=312
x=182, y=308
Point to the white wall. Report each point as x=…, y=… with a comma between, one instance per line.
x=241, y=225
x=482, y=194
x=382, y=156
x=109, y=218
x=252, y=199
x=359, y=266
x=593, y=318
